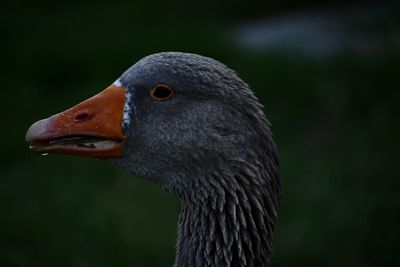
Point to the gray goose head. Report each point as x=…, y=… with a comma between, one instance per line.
x=191, y=125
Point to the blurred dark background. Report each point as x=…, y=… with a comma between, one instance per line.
x=327, y=72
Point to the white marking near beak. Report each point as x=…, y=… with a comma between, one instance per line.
x=118, y=83
x=127, y=108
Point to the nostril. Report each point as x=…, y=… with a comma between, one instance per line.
x=83, y=116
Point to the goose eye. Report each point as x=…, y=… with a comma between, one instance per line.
x=161, y=92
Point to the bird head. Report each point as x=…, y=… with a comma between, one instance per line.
x=176, y=119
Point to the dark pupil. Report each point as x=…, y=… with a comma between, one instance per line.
x=162, y=92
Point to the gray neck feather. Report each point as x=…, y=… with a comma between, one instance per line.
x=229, y=221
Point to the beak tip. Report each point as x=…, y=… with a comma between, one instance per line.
x=36, y=130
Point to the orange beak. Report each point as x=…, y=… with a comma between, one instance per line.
x=92, y=128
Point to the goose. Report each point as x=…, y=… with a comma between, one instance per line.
x=189, y=124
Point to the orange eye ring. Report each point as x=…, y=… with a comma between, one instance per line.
x=161, y=92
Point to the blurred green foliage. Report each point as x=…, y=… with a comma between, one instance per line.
x=335, y=122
